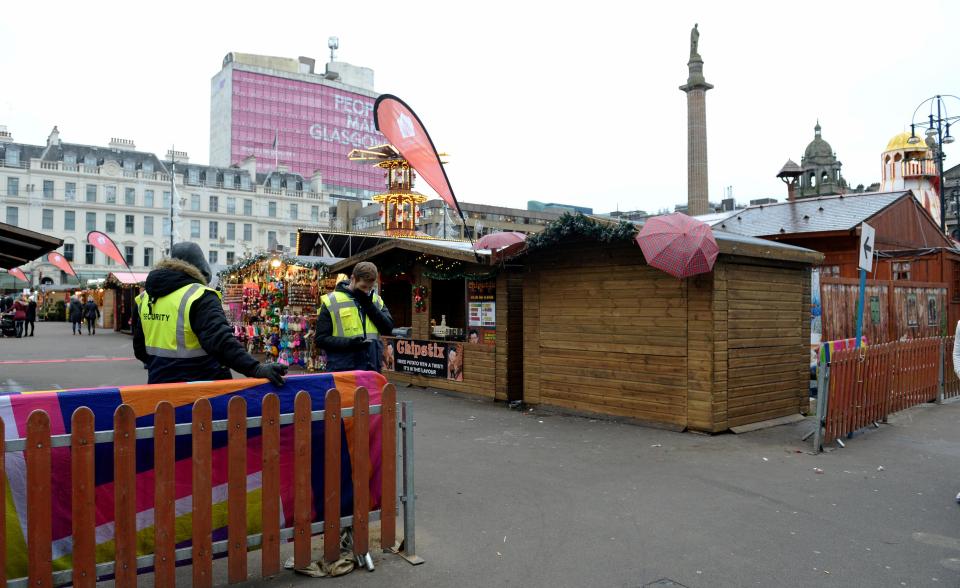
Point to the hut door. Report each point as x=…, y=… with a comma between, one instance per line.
x=514, y=334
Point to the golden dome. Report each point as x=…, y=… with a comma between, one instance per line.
x=900, y=143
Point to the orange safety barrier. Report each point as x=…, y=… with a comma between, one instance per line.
x=200, y=554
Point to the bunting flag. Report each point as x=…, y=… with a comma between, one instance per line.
x=106, y=246
x=61, y=262
x=18, y=274
x=15, y=409
x=403, y=128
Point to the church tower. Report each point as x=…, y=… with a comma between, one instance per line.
x=821, y=169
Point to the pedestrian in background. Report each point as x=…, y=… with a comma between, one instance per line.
x=20, y=314
x=31, y=315
x=91, y=312
x=76, y=314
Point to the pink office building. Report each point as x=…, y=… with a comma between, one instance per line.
x=281, y=112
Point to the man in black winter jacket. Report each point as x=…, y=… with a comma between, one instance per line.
x=350, y=322
x=201, y=346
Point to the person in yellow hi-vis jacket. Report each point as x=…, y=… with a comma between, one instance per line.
x=179, y=330
x=350, y=322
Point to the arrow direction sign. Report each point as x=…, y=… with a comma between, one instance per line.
x=867, y=245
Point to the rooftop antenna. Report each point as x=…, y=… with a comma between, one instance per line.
x=333, y=43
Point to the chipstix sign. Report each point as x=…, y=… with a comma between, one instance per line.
x=432, y=359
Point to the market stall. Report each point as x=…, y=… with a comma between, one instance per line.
x=452, y=312
x=272, y=304
x=123, y=288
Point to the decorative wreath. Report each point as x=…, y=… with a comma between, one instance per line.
x=420, y=299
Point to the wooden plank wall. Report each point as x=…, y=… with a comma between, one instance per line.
x=700, y=355
x=610, y=335
x=478, y=374
x=897, y=320
x=768, y=357
x=510, y=335
x=720, y=336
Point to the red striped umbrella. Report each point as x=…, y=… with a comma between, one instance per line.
x=678, y=244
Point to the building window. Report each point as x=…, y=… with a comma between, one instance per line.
x=230, y=257
x=294, y=211
x=247, y=232
x=212, y=256
x=148, y=225
x=214, y=229
x=68, y=252
x=111, y=192
x=13, y=215
x=315, y=214
x=193, y=175
x=165, y=226
x=901, y=270
x=89, y=255
x=231, y=205
x=147, y=167
x=956, y=279
x=128, y=224
x=231, y=231
x=194, y=202
x=165, y=201
x=13, y=157
x=91, y=192
x=91, y=221
x=247, y=207
x=130, y=197
x=293, y=241
x=89, y=160
x=272, y=209
x=13, y=186
x=69, y=220
x=70, y=192
x=128, y=254
x=48, y=189
x=148, y=256
x=111, y=223
x=214, y=204
x=244, y=182
x=271, y=240
x=194, y=229
x=829, y=271
x=48, y=219
x=148, y=198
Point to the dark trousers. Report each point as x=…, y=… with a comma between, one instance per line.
x=91, y=326
x=18, y=325
x=77, y=327
x=29, y=325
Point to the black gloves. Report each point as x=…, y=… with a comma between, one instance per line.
x=362, y=298
x=271, y=371
x=357, y=342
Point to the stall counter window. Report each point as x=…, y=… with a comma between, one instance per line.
x=448, y=312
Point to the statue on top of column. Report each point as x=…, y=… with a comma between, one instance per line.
x=694, y=41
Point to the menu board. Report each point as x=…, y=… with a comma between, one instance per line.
x=482, y=312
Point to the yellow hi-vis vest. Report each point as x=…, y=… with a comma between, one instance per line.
x=346, y=316
x=166, y=325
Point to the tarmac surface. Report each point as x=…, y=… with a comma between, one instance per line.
x=521, y=498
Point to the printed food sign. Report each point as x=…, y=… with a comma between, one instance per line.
x=431, y=359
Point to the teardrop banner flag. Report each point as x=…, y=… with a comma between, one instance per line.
x=106, y=246
x=18, y=274
x=404, y=130
x=61, y=262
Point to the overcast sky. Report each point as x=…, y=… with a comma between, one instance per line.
x=533, y=101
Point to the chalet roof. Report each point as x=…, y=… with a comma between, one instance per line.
x=19, y=246
x=809, y=215
x=455, y=250
x=790, y=168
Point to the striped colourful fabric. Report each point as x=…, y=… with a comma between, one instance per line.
x=16, y=408
x=678, y=244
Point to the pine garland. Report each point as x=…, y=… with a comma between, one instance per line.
x=571, y=226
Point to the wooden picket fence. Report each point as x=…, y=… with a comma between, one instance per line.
x=863, y=386
x=82, y=441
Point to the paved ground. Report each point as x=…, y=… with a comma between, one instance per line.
x=509, y=498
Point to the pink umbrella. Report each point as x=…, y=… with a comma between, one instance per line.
x=500, y=240
x=678, y=244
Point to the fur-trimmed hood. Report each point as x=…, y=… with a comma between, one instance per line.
x=170, y=275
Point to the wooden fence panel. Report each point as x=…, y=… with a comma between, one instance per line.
x=164, y=503
x=331, y=476
x=125, y=495
x=301, y=479
x=388, y=468
x=237, y=490
x=39, y=531
x=361, y=471
x=270, y=434
x=84, y=511
x=202, y=497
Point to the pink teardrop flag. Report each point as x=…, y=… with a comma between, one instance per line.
x=61, y=262
x=18, y=274
x=105, y=245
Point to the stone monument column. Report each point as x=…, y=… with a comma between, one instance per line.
x=698, y=198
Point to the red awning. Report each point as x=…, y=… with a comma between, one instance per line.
x=128, y=278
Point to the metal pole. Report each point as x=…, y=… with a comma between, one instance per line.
x=863, y=286
x=409, y=497
x=943, y=200
x=823, y=390
x=940, y=379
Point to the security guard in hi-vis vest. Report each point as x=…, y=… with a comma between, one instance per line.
x=350, y=321
x=179, y=330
